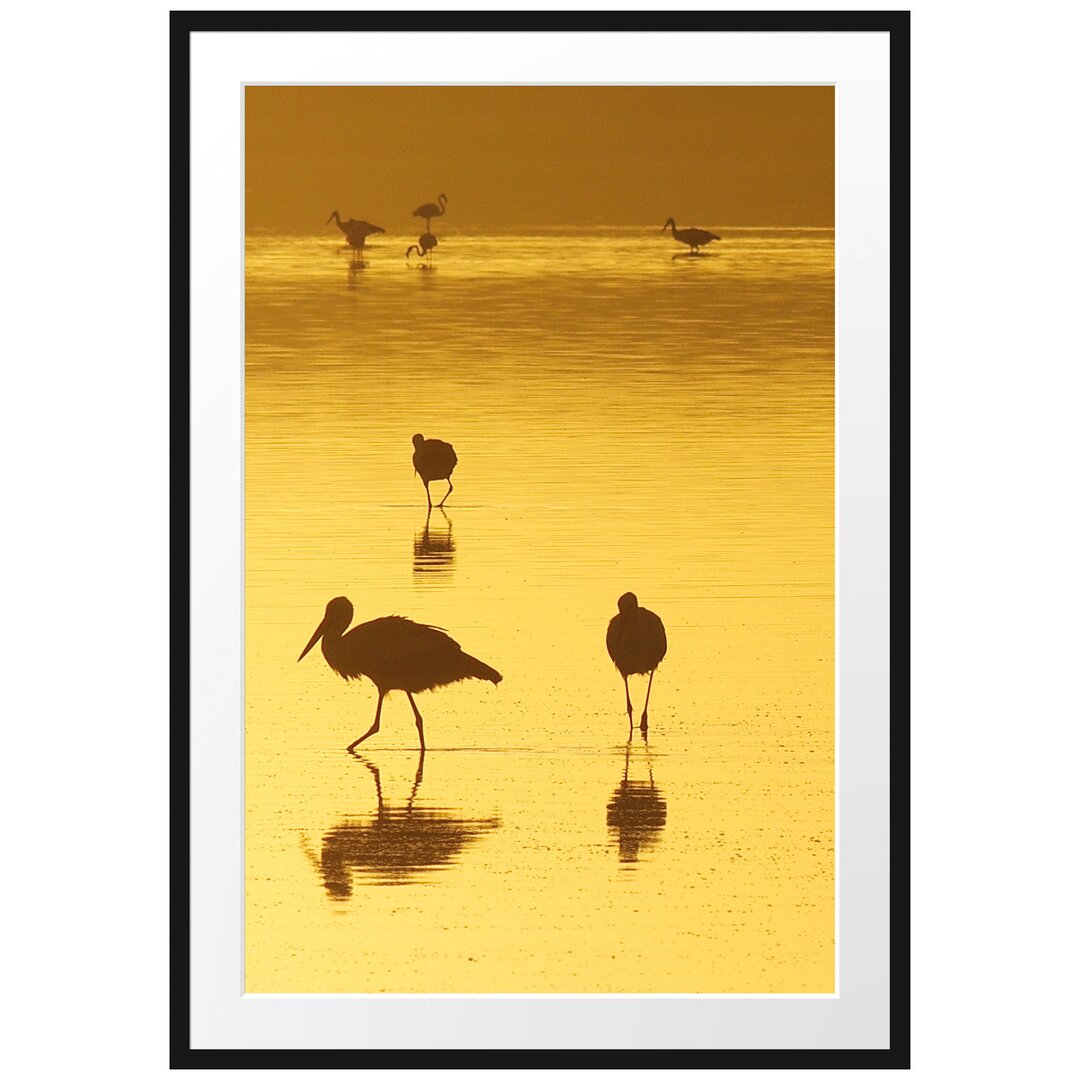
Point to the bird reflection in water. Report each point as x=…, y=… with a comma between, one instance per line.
x=636, y=813
x=433, y=548
x=396, y=846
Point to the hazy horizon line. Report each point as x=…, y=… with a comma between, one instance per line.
x=471, y=229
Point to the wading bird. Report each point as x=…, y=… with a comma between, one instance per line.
x=356, y=232
x=433, y=459
x=636, y=642
x=695, y=238
x=424, y=246
x=430, y=210
x=395, y=654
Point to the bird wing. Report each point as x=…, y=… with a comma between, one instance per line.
x=399, y=654
x=445, y=451
x=656, y=627
x=361, y=229
x=398, y=638
x=614, y=629
x=437, y=454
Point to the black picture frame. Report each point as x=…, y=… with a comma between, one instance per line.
x=894, y=23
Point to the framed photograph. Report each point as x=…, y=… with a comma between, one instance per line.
x=540, y=450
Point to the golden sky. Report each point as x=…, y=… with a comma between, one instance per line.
x=515, y=156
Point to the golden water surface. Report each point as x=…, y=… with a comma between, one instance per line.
x=624, y=420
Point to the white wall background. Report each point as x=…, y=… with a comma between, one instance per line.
x=83, y=441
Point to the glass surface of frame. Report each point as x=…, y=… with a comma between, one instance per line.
x=854, y=1018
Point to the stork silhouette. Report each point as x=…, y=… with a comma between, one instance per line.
x=693, y=238
x=433, y=459
x=636, y=643
x=356, y=232
x=395, y=654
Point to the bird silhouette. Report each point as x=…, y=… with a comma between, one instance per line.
x=430, y=210
x=695, y=238
x=395, y=654
x=424, y=246
x=636, y=642
x=433, y=459
x=636, y=813
x=397, y=845
x=356, y=232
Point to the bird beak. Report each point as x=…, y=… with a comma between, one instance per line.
x=314, y=637
x=329, y=219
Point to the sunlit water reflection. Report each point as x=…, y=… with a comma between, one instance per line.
x=625, y=418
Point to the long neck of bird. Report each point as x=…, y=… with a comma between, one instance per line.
x=334, y=655
x=331, y=640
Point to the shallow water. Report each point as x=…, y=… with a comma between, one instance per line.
x=624, y=420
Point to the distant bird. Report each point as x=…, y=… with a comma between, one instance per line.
x=430, y=210
x=694, y=237
x=356, y=232
x=395, y=654
x=636, y=642
x=427, y=243
x=433, y=459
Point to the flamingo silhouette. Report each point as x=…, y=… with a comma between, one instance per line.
x=433, y=459
x=695, y=238
x=430, y=210
x=395, y=654
x=427, y=243
x=356, y=232
x=636, y=642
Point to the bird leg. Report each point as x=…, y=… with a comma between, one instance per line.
x=378, y=782
x=416, y=782
x=427, y=491
x=374, y=727
x=447, y=495
x=419, y=724
x=629, y=707
x=645, y=710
